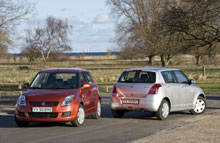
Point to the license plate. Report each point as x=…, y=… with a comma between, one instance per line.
x=130, y=101
x=42, y=109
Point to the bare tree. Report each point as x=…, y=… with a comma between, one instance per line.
x=198, y=23
x=11, y=11
x=4, y=41
x=139, y=28
x=51, y=38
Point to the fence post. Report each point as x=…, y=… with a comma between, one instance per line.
x=203, y=71
x=106, y=88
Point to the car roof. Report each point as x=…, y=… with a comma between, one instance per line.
x=63, y=70
x=152, y=69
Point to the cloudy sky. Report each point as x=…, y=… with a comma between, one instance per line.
x=93, y=28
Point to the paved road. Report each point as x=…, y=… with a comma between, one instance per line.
x=134, y=125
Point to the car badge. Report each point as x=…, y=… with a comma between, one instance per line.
x=43, y=103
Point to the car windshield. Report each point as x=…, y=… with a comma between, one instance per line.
x=54, y=80
x=138, y=77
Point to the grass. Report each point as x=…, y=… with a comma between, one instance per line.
x=105, y=71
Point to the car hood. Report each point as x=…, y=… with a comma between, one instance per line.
x=49, y=95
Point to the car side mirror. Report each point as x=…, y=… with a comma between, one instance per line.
x=25, y=86
x=86, y=85
x=191, y=81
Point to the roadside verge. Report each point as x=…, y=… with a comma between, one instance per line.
x=201, y=129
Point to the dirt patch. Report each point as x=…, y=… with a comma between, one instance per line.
x=201, y=130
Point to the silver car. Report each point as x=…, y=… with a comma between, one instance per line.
x=155, y=89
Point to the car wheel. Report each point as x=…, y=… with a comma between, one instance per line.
x=117, y=113
x=80, y=117
x=163, y=111
x=200, y=106
x=21, y=123
x=97, y=114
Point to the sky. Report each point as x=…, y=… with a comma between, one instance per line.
x=93, y=26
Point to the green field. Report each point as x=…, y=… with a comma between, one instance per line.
x=105, y=71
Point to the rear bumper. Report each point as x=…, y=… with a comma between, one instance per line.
x=25, y=110
x=149, y=103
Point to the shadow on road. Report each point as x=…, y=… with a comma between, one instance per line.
x=213, y=97
x=213, y=108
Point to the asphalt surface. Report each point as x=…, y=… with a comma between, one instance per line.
x=132, y=126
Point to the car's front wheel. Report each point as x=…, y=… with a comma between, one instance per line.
x=97, y=114
x=80, y=117
x=200, y=106
x=164, y=110
x=117, y=113
x=21, y=123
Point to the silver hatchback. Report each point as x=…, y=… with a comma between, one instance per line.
x=160, y=90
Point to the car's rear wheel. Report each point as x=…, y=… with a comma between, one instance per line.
x=164, y=110
x=21, y=123
x=80, y=117
x=97, y=114
x=118, y=113
x=200, y=106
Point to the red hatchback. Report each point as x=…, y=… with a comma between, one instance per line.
x=59, y=95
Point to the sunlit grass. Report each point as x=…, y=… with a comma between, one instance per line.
x=105, y=71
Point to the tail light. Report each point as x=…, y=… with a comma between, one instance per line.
x=154, y=89
x=114, y=89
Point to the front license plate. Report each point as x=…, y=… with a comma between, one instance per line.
x=42, y=109
x=130, y=101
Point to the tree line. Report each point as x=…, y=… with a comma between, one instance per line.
x=144, y=28
x=40, y=42
x=166, y=28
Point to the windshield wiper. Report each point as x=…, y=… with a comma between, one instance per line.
x=57, y=88
x=35, y=87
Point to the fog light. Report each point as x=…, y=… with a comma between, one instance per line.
x=66, y=114
x=21, y=114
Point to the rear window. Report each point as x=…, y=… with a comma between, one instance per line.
x=138, y=77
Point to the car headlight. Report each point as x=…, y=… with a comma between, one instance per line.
x=22, y=100
x=67, y=100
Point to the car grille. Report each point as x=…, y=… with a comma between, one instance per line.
x=43, y=115
x=37, y=103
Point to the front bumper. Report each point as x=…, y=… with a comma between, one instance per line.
x=148, y=103
x=23, y=113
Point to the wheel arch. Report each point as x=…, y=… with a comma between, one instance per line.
x=168, y=100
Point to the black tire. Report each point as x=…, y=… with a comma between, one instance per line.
x=77, y=122
x=202, y=109
x=161, y=115
x=97, y=114
x=21, y=123
x=118, y=113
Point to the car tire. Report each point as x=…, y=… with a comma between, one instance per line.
x=98, y=112
x=163, y=111
x=81, y=116
x=118, y=113
x=21, y=123
x=200, y=106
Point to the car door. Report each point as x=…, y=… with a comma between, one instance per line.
x=93, y=90
x=86, y=94
x=172, y=89
x=186, y=90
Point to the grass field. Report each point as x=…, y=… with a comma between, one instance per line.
x=105, y=71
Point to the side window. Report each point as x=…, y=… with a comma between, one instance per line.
x=168, y=76
x=127, y=76
x=181, y=77
x=88, y=77
x=82, y=79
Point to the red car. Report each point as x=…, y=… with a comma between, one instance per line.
x=59, y=95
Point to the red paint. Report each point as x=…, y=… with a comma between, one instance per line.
x=87, y=95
